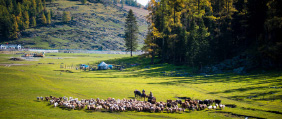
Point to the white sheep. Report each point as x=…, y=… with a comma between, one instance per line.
x=210, y=107
x=221, y=106
x=55, y=104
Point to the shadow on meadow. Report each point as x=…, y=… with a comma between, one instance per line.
x=256, y=81
x=257, y=96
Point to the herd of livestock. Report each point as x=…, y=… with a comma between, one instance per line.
x=117, y=105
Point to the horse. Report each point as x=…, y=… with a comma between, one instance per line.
x=137, y=93
x=143, y=95
x=152, y=100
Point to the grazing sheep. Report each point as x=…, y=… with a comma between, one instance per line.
x=37, y=98
x=179, y=101
x=116, y=105
x=214, y=107
x=169, y=110
x=152, y=109
x=52, y=102
x=181, y=110
x=169, y=101
x=210, y=107
x=99, y=107
x=202, y=106
x=47, y=98
x=217, y=101
x=55, y=104
x=221, y=106
x=169, y=104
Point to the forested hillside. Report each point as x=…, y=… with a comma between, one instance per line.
x=66, y=24
x=202, y=32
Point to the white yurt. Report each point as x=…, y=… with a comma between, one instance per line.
x=103, y=66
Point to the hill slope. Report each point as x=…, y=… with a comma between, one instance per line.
x=94, y=26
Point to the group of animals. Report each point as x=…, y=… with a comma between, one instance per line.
x=113, y=105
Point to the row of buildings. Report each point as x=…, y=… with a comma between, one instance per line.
x=10, y=46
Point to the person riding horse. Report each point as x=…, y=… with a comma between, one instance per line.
x=151, y=99
x=143, y=95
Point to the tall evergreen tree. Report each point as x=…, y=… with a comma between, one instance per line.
x=33, y=8
x=39, y=6
x=11, y=7
x=43, y=19
x=5, y=21
x=131, y=32
x=26, y=20
x=48, y=17
x=66, y=17
x=33, y=21
x=14, y=29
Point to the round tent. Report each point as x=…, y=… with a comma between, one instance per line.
x=103, y=66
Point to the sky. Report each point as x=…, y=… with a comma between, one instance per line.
x=143, y=2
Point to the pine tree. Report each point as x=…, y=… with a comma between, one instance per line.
x=26, y=20
x=19, y=16
x=39, y=6
x=14, y=30
x=33, y=8
x=66, y=17
x=131, y=32
x=48, y=17
x=33, y=21
x=193, y=46
x=26, y=4
x=5, y=21
x=43, y=19
x=151, y=45
x=11, y=7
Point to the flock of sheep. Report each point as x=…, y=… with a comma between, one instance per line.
x=113, y=105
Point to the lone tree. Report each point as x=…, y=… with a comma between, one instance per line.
x=131, y=32
x=66, y=17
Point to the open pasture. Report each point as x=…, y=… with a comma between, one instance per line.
x=256, y=95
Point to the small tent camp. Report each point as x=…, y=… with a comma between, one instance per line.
x=103, y=66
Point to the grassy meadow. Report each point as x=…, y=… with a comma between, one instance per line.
x=256, y=95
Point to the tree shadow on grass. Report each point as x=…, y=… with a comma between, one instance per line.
x=240, y=89
x=252, y=95
x=144, y=69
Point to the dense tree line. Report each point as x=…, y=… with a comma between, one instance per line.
x=18, y=15
x=200, y=32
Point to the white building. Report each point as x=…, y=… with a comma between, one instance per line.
x=10, y=46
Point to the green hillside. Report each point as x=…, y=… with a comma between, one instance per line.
x=93, y=26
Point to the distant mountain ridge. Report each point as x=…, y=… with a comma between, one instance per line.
x=93, y=26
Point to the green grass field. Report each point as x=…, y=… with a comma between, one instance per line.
x=256, y=95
